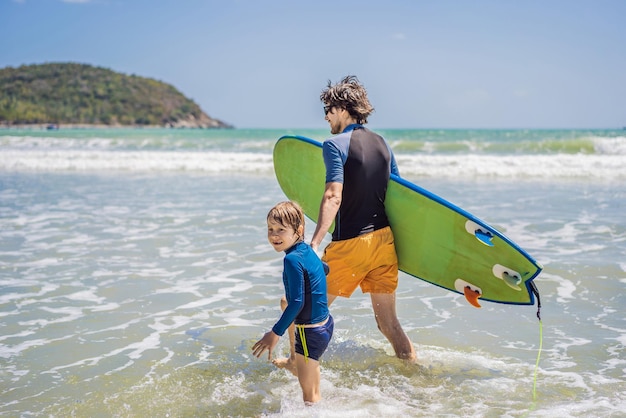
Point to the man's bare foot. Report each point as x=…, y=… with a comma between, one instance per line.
x=287, y=363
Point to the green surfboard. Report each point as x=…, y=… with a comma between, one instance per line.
x=436, y=241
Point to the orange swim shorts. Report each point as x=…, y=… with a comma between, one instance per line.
x=368, y=261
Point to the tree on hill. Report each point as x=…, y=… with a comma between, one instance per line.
x=70, y=93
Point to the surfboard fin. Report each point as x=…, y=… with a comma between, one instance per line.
x=511, y=277
x=472, y=296
x=484, y=236
x=481, y=233
x=513, y=280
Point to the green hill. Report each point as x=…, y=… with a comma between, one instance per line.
x=80, y=94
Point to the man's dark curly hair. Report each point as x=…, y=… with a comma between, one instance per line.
x=348, y=94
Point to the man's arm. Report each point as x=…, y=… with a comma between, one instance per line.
x=328, y=210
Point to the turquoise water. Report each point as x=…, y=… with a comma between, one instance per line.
x=135, y=276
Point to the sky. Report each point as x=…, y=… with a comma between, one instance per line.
x=427, y=64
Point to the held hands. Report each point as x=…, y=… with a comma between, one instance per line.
x=268, y=342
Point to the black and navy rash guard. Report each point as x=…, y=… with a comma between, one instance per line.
x=305, y=288
x=362, y=161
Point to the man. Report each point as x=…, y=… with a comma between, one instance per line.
x=362, y=252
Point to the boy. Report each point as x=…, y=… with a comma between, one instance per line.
x=305, y=292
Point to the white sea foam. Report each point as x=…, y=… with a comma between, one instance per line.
x=554, y=166
x=564, y=166
x=565, y=288
x=134, y=161
x=86, y=295
x=46, y=142
x=610, y=146
x=9, y=351
x=68, y=314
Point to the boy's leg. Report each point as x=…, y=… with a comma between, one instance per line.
x=309, y=376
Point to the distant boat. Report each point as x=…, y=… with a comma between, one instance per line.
x=52, y=127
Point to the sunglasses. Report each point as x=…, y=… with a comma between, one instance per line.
x=327, y=109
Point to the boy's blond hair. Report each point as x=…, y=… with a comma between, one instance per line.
x=288, y=214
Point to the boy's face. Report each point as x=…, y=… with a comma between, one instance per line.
x=281, y=237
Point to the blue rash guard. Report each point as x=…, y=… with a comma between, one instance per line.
x=305, y=288
x=362, y=161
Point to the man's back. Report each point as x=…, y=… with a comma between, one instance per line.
x=366, y=165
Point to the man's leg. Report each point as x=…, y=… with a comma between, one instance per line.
x=384, y=306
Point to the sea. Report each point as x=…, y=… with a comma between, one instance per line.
x=135, y=276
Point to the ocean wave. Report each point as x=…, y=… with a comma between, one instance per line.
x=135, y=161
x=548, y=167
x=447, y=142
x=610, y=146
x=528, y=166
x=591, y=145
x=138, y=143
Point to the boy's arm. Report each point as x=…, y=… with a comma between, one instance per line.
x=294, y=272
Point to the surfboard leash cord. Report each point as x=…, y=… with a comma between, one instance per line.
x=535, y=291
